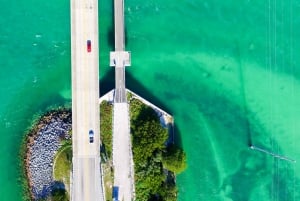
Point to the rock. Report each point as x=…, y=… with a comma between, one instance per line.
x=42, y=151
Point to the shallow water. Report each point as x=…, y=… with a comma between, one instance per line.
x=227, y=70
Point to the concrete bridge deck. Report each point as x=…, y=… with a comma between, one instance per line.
x=86, y=178
x=122, y=154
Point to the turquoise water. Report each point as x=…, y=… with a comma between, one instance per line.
x=227, y=70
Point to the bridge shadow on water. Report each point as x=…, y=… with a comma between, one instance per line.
x=111, y=31
x=107, y=83
x=111, y=38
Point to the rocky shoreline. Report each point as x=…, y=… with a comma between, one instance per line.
x=43, y=141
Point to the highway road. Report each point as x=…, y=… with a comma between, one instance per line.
x=86, y=178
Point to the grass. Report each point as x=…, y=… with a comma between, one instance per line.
x=106, y=147
x=106, y=109
x=62, y=165
x=108, y=180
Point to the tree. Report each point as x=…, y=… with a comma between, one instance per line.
x=106, y=127
x=148, y=137
x=149, y=150
x=174, y=159
x=59, y=195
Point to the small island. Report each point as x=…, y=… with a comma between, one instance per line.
x=40, y=151
x=157, y=159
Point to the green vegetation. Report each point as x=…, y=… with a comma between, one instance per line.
x=106, y=110
x=28, y=139
x=155, y=163
x=63, y=163
x=154, y=177
x=61, y=171
x=174, y=159
x=59, y=195
x=108, y=180
x=106, y=128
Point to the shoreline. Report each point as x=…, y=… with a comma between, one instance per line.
x=45, y=135
x=166, y=119
x=40, y=143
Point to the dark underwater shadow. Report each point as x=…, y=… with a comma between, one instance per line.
x=107, y=83
x=111, y=38
x=257, y=175
x=140, y=89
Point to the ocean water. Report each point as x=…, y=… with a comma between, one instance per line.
x=227, y=70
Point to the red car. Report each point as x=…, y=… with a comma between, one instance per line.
x=89, y=45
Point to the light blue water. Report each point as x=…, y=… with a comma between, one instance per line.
x=227, y=70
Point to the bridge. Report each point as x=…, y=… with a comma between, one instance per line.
x=86, y=184
x=86, y=177
x=122, y=154
x=119, y=58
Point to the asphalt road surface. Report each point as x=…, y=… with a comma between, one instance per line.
x=86, y=178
